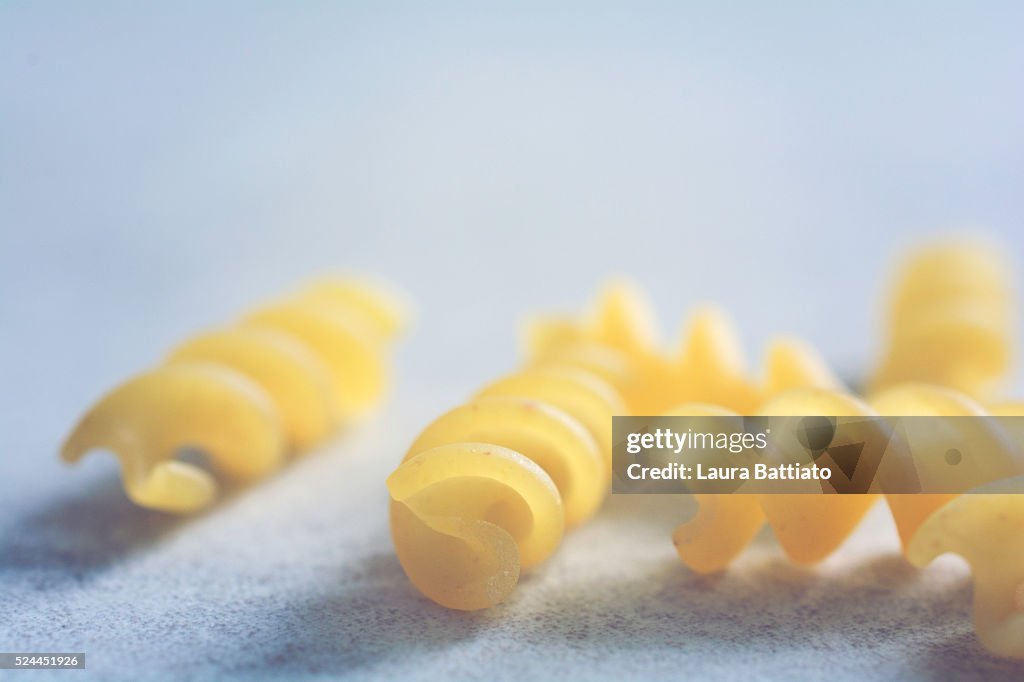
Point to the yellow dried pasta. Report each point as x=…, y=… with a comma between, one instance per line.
x=291, y=374
x=247, y=396
x=985, y=528
x=949, y=342
x=950, y=323
x=145, y=420
x=950, y=319
x=384, y=309
x=343, y=339
x=487, y=489
x=920, y=400
x=622, y=318
x=617, y=340
x=810, y=527
x=708, y=376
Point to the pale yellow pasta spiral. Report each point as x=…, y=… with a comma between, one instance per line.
x=949, y=342
x=248, y=395
x=618, y=341
x=985, y=527
x=487, y=489
x=810, y=527
x=950, y=319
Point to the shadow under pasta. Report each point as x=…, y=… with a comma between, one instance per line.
x=79, y=534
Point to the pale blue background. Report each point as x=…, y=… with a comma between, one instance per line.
x=163, y=168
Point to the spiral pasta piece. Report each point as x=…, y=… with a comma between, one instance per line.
x=559, y=444
x=710, y=368
x=606, y=363
x=247, y=396
x=618, y=341
x=343, y=340
x=583, y=396
x=949, y=342
x=708, y=376
x=529, y=456
x=467, y=517
x=726, y=523
x=986, y=529
x=910, y=511
x=950, y=324
x=808, y=527
x=950, y=319
x=621, y=318
x=791, y=363
x=145, y=420
x=290, y=373
x=383, y=309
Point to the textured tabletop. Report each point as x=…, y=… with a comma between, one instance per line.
x=296, y=579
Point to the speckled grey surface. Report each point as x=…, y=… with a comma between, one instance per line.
x=164, y=167
x=295, y=579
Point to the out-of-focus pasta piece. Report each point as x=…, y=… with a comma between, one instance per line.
x=293, y=377
x=608, y=364
x=985, y=527
x=343, y=341
x=909, y=400
x=711, y=368
x=810, y=527
x=246, y=395
x=791, y=363
x=726, y=523
x=148, y=419
x=617, y=339
x=950, y=319
x=624, y=318
x=384, y=309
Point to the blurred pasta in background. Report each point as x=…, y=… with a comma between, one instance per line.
x=248, y=396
